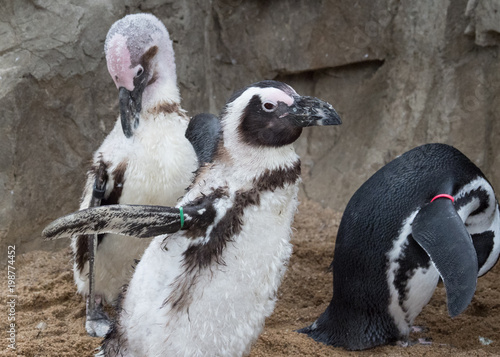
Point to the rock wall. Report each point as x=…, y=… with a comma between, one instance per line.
x=400, y=73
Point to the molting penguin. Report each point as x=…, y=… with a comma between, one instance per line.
x=144, y=160
x=430, y=213
x=207, y=289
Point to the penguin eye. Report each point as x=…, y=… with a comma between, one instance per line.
x=139, y=72
x=269, y=106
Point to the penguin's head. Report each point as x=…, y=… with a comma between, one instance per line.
x=271, y=114
x=140, y=59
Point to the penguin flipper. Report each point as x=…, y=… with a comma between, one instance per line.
x=139, y=221
x=204, y=132
x=440, y=231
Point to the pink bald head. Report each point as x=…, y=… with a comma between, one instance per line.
x=119, y=65
x=137, y=44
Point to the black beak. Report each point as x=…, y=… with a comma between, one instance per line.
x=130, y=109
x=311, y=111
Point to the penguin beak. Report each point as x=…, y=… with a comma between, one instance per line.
x=311, y=111
x=130, y=109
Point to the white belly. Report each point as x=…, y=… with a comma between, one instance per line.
x=154, y=176
x=228, y=302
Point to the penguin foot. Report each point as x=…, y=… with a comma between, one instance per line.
x=409, y=343
x=421, y=340
x=97, y=322
x=402, y=343
x=98, y=327
x=424, y=341
x=418, y=329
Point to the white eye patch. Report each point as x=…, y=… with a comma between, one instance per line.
x=274, y=95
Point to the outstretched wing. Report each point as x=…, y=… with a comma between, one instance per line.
x=139, y=221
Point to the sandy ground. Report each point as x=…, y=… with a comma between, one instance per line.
x=50, y=315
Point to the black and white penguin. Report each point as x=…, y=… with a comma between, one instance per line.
x=207, y=289
x=145, y=159
x=430, y=213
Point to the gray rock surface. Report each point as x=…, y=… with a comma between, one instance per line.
x=400, y=74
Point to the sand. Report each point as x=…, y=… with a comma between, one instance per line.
x=50, y=315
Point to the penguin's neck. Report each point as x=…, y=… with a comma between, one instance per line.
x=162, y=92
x=252, y=172
x=162, y=122
x=162, y=125
x=255, y=159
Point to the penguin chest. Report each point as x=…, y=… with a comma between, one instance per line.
x=156, y=180
x=220, y=309
x=255, y=259
x=141, y=170
x=156, y=176
x=153, y=167
x=151, y=180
